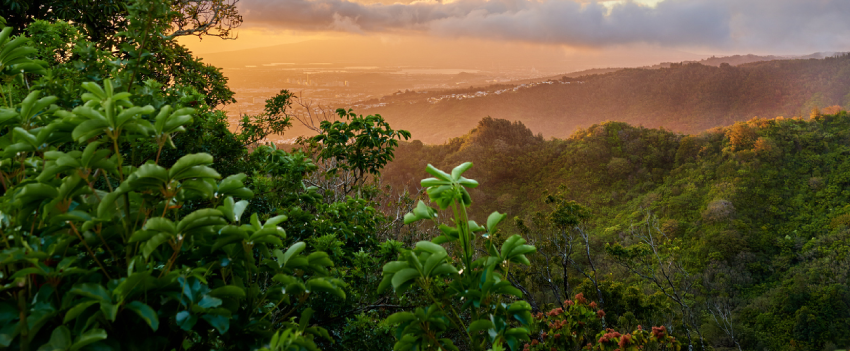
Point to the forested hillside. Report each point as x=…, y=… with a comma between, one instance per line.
x=685, y=98
x=756, y=215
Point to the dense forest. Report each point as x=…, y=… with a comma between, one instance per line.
x=686, y=98
x=132, y=218
x=750, y=221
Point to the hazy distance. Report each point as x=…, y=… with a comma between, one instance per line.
x=338, y=53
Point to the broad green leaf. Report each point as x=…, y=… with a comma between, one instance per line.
x=209, y=302
x=187, y=162
x=239, y=208
x=88, y=337
x=403, y=276
x=219, y=322
x=469, y=183
x=109, y=310
x=410, y=218
x=75, y=311
x=395, y=266
x=444, y=269
x=430, y=247
x=160, y=224
x=228, y=291
x=305, y=318
x=293, y=250
x=431, y=182
x=438, y=173
x=433, y=261
x=493, y=220
x=27, y=271
x=186, y=320
x=400, y=317
x=321, y=284
x=145, y=312
x=92, y=290
x=457, y=171
x=479, y=325
x=154, y=242
x=60, y=340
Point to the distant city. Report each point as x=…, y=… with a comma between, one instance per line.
x=332, y=86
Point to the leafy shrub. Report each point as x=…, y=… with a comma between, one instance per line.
x=103, y=254
x=577, y=327
x=479, y=285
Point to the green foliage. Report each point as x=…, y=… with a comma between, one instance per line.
x=496, y=316
x=355, y=147
x=100, y=252
x=273, y=120
x=736, y=210
x=576, y=326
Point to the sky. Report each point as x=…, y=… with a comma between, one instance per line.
x=576, y=27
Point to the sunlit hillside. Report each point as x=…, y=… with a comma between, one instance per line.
x=685, y=98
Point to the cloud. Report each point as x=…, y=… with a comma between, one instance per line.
x=673, y=23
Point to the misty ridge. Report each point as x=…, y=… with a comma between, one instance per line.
x=682, y=97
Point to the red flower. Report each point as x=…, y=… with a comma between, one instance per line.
x=557, y=336
x=600, y=313
x=580, y=299
x=659, y=332
x=569, y=303
x=611, y=334
x=534, y=342
x=593, y=304
x=625, y=340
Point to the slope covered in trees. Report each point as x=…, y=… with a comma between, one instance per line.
x=686, y=98
x=749, y=221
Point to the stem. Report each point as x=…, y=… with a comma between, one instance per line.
x=3, y=181
x=469, y=238
x=440, y=305
x=90, y=250
x=22, y=306
x=108, y=183
x=173, y=258
x=5, y=240
x=115, y=259
x=464, y=236
x=158, y=151
x=273, y=309
x=126, y=196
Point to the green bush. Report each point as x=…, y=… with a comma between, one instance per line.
x=102, y=254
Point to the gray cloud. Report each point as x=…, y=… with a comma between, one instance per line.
x=776, y=24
